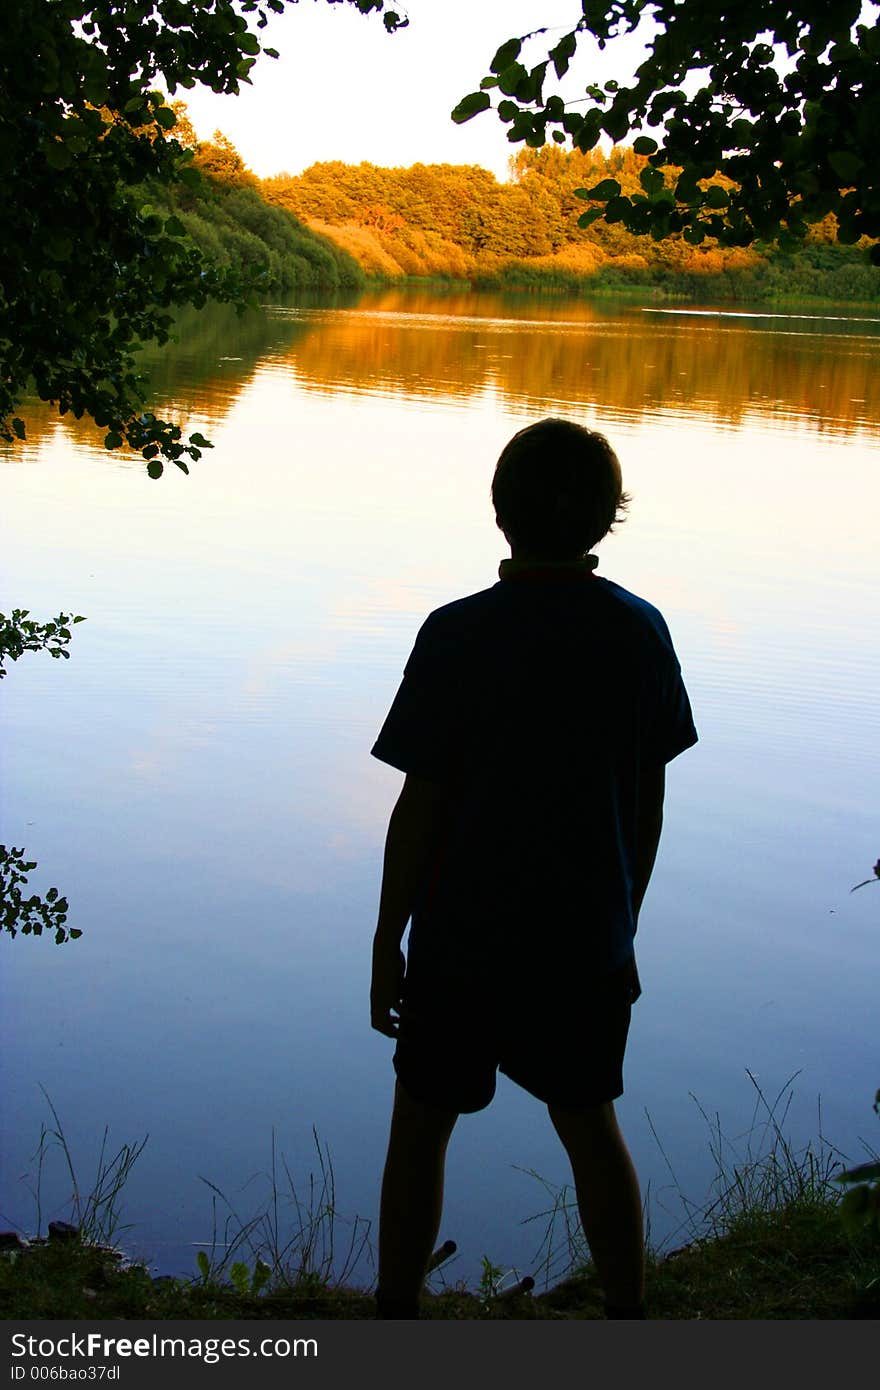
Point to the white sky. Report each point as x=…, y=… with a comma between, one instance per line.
x=345, y=89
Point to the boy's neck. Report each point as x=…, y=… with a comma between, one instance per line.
x=520, y=565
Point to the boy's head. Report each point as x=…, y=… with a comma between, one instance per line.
x=557, y=490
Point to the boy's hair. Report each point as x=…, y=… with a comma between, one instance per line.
x=557, y=490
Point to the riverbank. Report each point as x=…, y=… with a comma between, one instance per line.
x=768, y=1242
x=793, y=1263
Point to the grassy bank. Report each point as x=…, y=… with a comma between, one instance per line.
x=793, y=1263
x=769, y=1243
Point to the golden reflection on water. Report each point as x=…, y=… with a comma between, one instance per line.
x=722, y=368
x=726, y=367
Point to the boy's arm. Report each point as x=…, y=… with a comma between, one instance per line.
x=413, y=834
x=649, y=823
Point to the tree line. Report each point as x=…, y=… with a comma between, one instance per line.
x=458, y=222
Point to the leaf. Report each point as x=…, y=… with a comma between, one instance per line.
x=58, y=156
x=174, y=226
x=507, y=54
x=717, y=197
x=204, y=1264
x=608, y=188
x=846, y=166
x=59, y=246
x=95, y=89
x=18, y=426
x=165, y=117
x=616, y=125
x=616, y=209
x=470, y=106
x=529, y=88
x=562, y=53
x=644, y=145
x=855, y=1209
x=865, y=1172
x=686, y=190
x=113, y=440
x=155, y=468
x=510, y=79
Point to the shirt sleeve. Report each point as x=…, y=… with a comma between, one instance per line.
x=421, y=731
x=675, y=731
x=671, y=722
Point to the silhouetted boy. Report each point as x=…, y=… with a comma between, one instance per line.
x=534, y=722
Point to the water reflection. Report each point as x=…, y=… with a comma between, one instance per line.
x=626, y=363
x=723, y=366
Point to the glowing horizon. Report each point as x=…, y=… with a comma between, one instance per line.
x=383, y=98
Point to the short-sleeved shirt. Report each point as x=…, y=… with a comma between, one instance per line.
x=537, y=703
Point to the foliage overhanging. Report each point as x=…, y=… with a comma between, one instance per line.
x=780, y=97
x=90, y=271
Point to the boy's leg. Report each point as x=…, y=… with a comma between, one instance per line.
x=609, y=1201
x=412, y=1201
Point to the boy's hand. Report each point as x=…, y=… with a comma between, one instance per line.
x=386, y=988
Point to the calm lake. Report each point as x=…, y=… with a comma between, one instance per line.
x=197, y=779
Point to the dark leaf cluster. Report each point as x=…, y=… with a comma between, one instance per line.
x=89, y=271
x=31, y=915
x=781, y=97
x=19, y=634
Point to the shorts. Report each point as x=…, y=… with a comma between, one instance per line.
x=452, y=1042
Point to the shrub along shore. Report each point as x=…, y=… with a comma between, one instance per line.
x=339, y=226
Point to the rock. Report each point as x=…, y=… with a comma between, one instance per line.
x=63, y=1230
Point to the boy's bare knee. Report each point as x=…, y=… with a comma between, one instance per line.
x=421, y=1122
x=590, y=1124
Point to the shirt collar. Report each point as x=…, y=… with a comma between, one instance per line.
x=547, y=569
